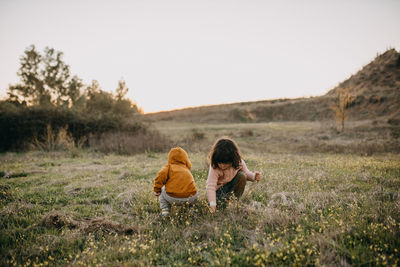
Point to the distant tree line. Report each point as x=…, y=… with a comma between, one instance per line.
x=46, y=80
x=48, y=95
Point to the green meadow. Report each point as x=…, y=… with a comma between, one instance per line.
x=326, y=199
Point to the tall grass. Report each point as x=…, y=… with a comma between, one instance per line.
x=128, y=143
x=49, y=141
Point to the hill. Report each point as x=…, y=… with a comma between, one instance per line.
x=376, y=88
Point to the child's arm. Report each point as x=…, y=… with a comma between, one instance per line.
x=160, y=180
x=211, y=187
x=251, y=176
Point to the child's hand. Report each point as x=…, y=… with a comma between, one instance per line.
x=258, y=176
x=157, y=194
x=213, y=209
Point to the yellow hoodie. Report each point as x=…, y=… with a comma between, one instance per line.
x=176, y=175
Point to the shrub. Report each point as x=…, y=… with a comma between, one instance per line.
x=26, y=125
x=62, y=141
x=247, y=133
x=197, y=135
x=242, y=115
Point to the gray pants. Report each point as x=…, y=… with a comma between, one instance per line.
x=166, y=201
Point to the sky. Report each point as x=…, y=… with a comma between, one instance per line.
x=180, y=53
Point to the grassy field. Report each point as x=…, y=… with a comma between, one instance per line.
x=325, y=199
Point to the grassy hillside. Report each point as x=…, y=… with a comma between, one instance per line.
x=376, y=88
x=313, y=207
x=302, y=109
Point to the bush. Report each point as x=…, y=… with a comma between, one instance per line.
x=21, y=126
x=242, y=115
x=52, y=141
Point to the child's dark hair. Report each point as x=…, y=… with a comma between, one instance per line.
x=225, y=150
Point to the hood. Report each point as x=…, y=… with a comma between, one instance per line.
x=179, y=156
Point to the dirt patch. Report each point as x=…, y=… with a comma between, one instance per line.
x=106, y=225
x=58, y=219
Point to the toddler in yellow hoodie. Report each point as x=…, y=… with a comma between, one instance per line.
x=174, y=182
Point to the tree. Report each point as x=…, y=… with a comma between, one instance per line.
x=74, y=89
x=56, y=76
x=121, y=90
x=123, y=105
x=31, y=88
x=98, y=101
x=45, y=79
x=342, y=103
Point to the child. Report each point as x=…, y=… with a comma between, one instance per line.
x=175, y=183
x=228, y=172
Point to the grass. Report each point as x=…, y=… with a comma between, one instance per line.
x=359, y=137
x=311, y=208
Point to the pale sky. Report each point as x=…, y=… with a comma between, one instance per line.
x=173, y=54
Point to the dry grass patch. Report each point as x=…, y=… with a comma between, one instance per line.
x=60, y=220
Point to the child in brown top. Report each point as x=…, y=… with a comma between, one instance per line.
x=174, y=182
